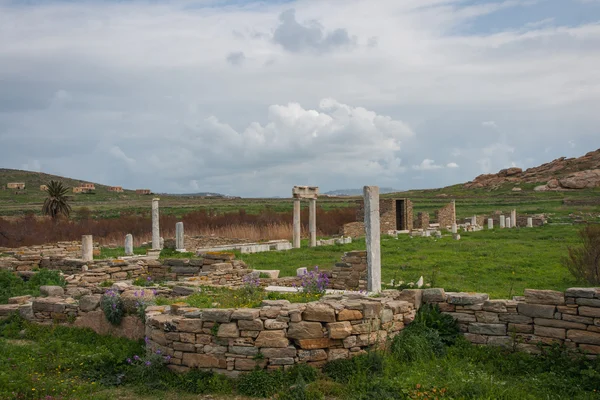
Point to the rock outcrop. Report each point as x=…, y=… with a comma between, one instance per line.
x=560, y=174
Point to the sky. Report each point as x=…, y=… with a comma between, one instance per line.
x=250, y=98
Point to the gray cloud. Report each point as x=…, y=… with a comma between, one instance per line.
x=236, y=58
x=311, y=36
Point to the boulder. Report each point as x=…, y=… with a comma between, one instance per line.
x=305, y=330
x=52, y=291
x=89, y=302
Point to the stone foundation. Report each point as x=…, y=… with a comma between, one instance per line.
x=351, y=272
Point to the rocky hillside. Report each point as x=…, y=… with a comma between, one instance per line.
x=560, y=174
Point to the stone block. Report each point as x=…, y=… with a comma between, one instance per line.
x=586, y=337
x=189, y=325
x=275, y=324
x=339, y=330
x=578, y=318
x=545, y=331
x=487, y=329
x=309, y=344
x=337, y=354
x=476, y=339
x=399, y=306
x=250, y=351
x=536, y=310
x=589, y=311
x=556, y=323
x=520, y=328
x=433, y=295
x=228, y=330
x=462, y=317
x=588, y=302
x=500, y=341
x=372, y=309
x=245, y=314
x=272, y=339
x=217, y=314
x=195, y=360
x=254, y=325
x=497, y=306
x=305, y=330
x=278, y=352
x=589, y=348
x=281, y=361
x=487, y=317
x=312, y=355
x=318, y=312
x=90, y=302
x=583, y=292
x=466, y=298
x=552, y=297
x=515, y=318
x=349, y=315
x=248, y=364
x=52, y=291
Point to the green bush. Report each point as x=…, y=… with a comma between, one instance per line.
x=301, y=372
x=417, y=343
x=47, y=277
x=11, y=285
x=113, y=307
x=300, y=391
x=583, y=261
x=430, y=316
x=340, y=370
x=260, y=383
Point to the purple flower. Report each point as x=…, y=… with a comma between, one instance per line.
x=167, y=358
x=146, y=339
x=154, y=292
x=148, y=363
x=158, y=351
x=149, y=279
x=129, y=361
x=136, y=357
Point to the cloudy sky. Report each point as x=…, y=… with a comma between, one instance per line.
x=252, y=97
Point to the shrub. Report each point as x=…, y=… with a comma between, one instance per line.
x=148, y=370
x=250, y=285
x=113, y=307
x=340, y=370
x=314, y=282
x=302, y=372
x=47, y=277
x=10, y=285
x=143, y=282
x=584, y=261
x=417, y=342
x=371, y=363
x=430, y=316
x=300, y=391
x=260, y=383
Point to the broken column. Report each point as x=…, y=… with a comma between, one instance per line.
x=490, y=223
x=453, y=202
x=454, y=228
x=529, y=222
x=87, y=248
x=372, y=234
x=508, y=222
x=155, y=225
x=474, y=220
x=297, y=227
x=502, y=221
x=179, y=242
x=513, y=218
x=312, y=221
x=129, y=244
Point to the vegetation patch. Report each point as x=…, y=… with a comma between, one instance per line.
x=12, y=285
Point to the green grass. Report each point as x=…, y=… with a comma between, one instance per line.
x=501, y=262
x=12, y=285
x=221, y=297
x=52, y=362
x=117, y=252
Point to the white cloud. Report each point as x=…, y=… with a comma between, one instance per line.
x=452, y=165
x=426, y=165
x=117, y=153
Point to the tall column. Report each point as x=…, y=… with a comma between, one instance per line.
x=87, y=248
x=513, y=218
x=502, y=221
x=453, y=202
x=296, y=239
x=155, y=225
x=490, y=223
x=179, y=242
x=508, y=222
x=529, y=222
x=129, y=244
x=312, y=221
x=372, y=233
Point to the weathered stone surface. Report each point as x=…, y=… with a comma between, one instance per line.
x=556, y=323
x=399, y=306
x=244, y=350
x=349, y=315
x=48, y=304
x=487, y=317
x=589, y=348
x=584, y=336
x=318, y=312
x=433, y=295
x=466, y=298
x=501, y=341
x=536, y=310
x=214, y=349
x=520, y=328
x=339, y=330
x=308, y=344
x=462, y=317
x=131, y=298
x=89, y=303
x=272, y=339
x=195, y=360
x=544, y=297
x=275, y=303
x=20, y=299
x=588, y=302
x=254, y=325
x=337, y=354
x=282, y=361
x=545, y=331
x=312, y=355
x=248, y=364
x=497, y=306
x=52, y=291
x=228, y=330
x=583, y=292
x=488, y=329
x=515, y=318
x=305, y=330
x=245, y=314
x=190, y=325
x=413, y=296
x=372, y=309
x=589, y=311
x=476, y=339
x=279, y=352
x=8, y=309
x=578, y=318
x=217, y=314
x=131, y=327
x=275, y=324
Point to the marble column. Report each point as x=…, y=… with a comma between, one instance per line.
x=179, y=241
x=530, y=222
x=87, y=248
x=490, y=223
x=502, y=221
x=312, y=221
x=513, y=218
x=129, y=244
x=454, y=228
x=508, y=222
x=474, y=220
x=453, y=202
x=297, y=227
x=155, y=225
x=372, y=233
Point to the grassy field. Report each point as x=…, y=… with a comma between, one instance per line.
x=501, y=262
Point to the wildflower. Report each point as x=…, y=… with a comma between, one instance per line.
x=136, y=357
x=149, y=279
x=148, y=363
x=146, y=339
x=158, y=351
x=129, y=361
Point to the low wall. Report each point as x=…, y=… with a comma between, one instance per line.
x=42, y=256
x=277, y=334
x=351, y=272
x=571, y=318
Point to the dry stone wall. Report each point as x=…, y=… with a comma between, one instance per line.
x=445, y=216
x=571, y=318
x=42, y=256
x=351, y=272
x=276, y=335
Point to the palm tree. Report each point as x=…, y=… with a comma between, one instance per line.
x=56, y=203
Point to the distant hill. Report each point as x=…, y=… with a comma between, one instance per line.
x=561, y=174
x=357, y=192
x=203, y=194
